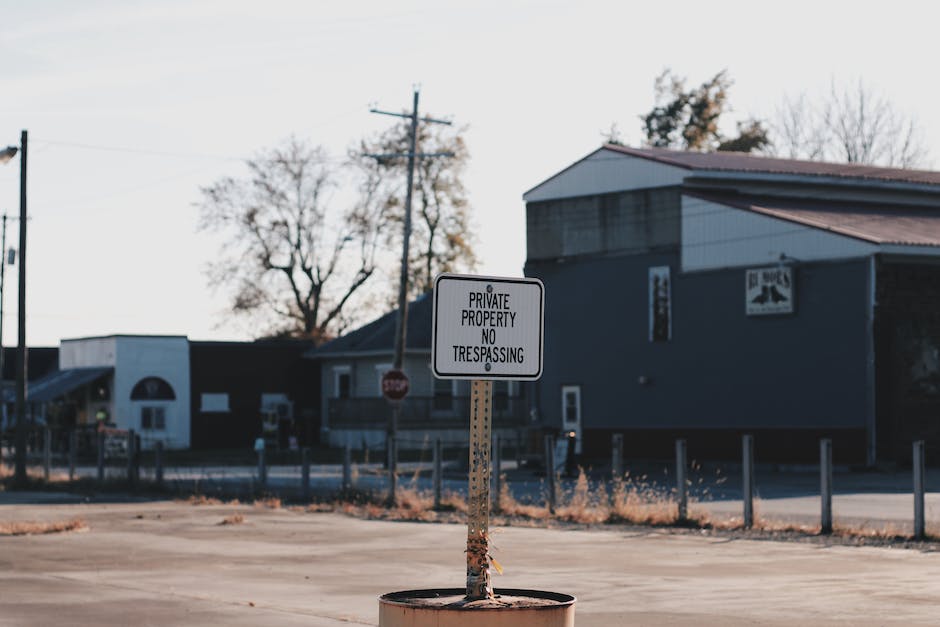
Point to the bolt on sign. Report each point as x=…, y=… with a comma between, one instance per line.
x=487, y=328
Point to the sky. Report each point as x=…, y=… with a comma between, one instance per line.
x=131, y=107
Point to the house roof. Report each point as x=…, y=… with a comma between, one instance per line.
x=872, y=222
x=378, y=336
x=744, y=162
x=61, y=382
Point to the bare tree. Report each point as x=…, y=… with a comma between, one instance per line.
x=292, y=260
x=442, y=238
x=798, y=130
x=854, y=124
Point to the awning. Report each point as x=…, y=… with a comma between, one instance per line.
x=61, y=382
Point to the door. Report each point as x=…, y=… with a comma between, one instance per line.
x=571, y=413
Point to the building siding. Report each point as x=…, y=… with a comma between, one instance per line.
x=718, y=236
x=245, y=372
x=606, y=171
x=617, y=223
x=722, y=369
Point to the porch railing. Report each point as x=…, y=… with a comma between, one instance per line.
x=420, y=412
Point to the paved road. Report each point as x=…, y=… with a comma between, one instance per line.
x=165, y=564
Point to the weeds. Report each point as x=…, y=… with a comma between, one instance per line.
x=37, y=528
x=200, y=499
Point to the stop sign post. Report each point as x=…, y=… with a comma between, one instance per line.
x=394, y=385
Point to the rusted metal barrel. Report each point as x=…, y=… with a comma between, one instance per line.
x=449, y=606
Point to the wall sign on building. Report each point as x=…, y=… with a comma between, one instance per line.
x=660, y=299
x=487, y=327
x=769, y=291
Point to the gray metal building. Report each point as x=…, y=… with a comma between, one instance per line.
x=707, y=295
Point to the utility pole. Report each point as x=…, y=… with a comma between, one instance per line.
x=3, y=273
x=20, y=437
x=402, y=317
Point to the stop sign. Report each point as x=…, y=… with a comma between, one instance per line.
x=394, y=385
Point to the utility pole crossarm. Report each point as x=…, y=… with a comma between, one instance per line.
x=403, y=155
x=409, y=116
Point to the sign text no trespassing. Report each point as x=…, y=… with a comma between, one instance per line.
x=487, y=327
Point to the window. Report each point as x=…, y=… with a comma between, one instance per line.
x=502, y=390
x=572, y=395
x=443, y=395
x=660, y=304
x=571, y=412
x=278, y=405
x=342, y=382
x=101, y=390
x=217, y=403
x=153, y=418
x=152, y=389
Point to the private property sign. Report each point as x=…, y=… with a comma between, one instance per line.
x=487, y=328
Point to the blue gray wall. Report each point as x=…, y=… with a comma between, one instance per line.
x=722, y=369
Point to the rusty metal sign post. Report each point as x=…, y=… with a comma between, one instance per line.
x=479, y=584
x=485, y=328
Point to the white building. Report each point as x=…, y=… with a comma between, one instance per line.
x=134, y=382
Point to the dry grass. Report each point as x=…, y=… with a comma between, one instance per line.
x=583, y=506
x=234, y=519
x=34, y=473
x=320, y=507
x=30, y=528
x=639, y=502
x=453, y=501
x=201, y=499
x=268, y=503
x=509, y=506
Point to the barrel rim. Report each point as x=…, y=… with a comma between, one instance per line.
x=403, y=597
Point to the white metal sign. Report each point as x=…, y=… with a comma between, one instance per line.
x=487, y=327
x=769, y=291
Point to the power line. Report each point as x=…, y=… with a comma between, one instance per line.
x=138, y=151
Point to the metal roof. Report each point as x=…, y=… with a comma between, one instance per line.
x=745, y=162
x=872, y=222
x=56, y=384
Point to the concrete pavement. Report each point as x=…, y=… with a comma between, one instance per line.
x=165, y=563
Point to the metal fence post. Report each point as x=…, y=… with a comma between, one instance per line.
x=616, y=458
x=46, y=453
x=747, y=467
x=100, y=457
x=497, y=469
x=392, y=470
x=158, y=463
x=131, y=457
x=438, y=471
x=825, y=485
x=305, y=473
x=682, y=494
x=347, y=468
x=262, y=469
x=919, y=469
x=73, y=452
x=550, y=471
